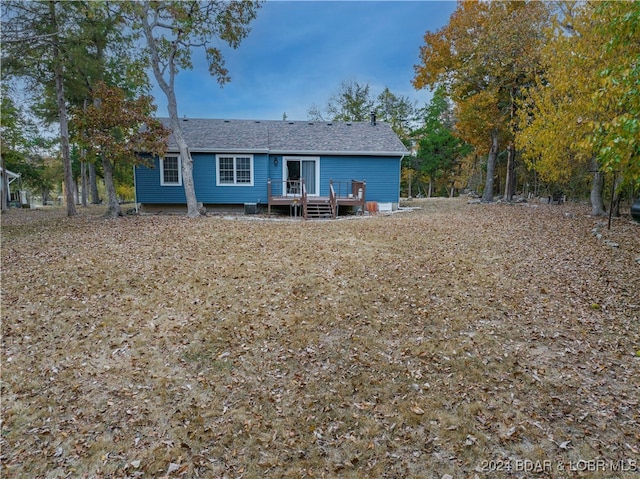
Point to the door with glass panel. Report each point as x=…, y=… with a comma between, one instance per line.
x=298, y=169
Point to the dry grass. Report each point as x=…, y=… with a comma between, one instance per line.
x=454, y=340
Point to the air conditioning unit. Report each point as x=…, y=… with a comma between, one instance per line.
x=251, y=208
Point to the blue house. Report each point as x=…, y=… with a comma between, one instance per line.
x=316, y=166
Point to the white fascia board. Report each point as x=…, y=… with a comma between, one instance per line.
x=223, y=150
x=338, y=153
x=291, y=152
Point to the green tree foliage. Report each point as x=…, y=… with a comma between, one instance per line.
x=351, y=102
x=616, y=139
x=35, y=38
x=63, y=49
x=354, y=101
x=117, y=129
x=397, y=111
x=172, y=30
x=439, y=150
x=23, y=150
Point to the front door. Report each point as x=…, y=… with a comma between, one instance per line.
x=297, y=169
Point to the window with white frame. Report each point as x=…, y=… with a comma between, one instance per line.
x=170, y=171
x=234, y=170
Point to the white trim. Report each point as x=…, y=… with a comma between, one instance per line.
x=258, y=151
x=302, y=158
x=315, y=153
x=235, y=157
x=179, y=182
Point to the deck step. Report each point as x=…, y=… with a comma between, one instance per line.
x=319, y=210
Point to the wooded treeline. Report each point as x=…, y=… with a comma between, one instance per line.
x=528, y=97
x=544, y=92
x=84, y=66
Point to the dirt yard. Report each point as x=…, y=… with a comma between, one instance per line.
x=453, y=341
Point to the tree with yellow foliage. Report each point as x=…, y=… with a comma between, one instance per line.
x=581, y=116
x=485, y=56
x=616, y=138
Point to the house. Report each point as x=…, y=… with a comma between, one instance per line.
x=6, y=178
x=309, y=166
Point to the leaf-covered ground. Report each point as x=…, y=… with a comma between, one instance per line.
x=454, y=341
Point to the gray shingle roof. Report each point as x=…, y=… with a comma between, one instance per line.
x=289, y=137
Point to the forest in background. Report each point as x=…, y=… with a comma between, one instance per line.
x=529, y=98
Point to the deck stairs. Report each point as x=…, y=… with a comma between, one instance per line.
x=319, y=208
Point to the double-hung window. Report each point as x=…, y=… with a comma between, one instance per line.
x=234, y=170
x=171, y=171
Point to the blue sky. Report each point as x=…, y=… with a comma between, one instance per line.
x=298, y=53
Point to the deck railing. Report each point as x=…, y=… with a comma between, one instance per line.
x=352, y=189
x=294, y=192
x=285, y=188
x=303, y=190
x=333, y=200
x=286, y=192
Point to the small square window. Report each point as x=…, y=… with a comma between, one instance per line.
x=170, y=174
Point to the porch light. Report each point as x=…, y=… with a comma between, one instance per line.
x=275, y=161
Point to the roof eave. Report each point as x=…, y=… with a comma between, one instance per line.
x=222, y=150
x=338, y=153
x=291, y=152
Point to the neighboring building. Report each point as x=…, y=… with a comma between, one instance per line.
x=245, y=162
x=7, y=177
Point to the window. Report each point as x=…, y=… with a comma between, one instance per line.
x=235, y=170
x=170, y=171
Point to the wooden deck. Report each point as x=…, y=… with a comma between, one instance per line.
x=315, y=207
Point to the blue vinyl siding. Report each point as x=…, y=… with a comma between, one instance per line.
x=149, y=190
x=382, y=175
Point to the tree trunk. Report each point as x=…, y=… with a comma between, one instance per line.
x=487, y=196
x=509, y=184
x=5, y=186
x=93, y=184
x=172, y=106
x=597, y=186
x=187, y=162
x=114, y=209
x=63, y=119
x=616, y=195
x=83, y=176
x=430, y=187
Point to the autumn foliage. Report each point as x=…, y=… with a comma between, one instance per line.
x=556, y=80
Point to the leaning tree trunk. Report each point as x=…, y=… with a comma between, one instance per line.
x=113, y=209
x=487, y=196
x=597, y=186
x=187, y=162
x=168, y=87
x=510, y=183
